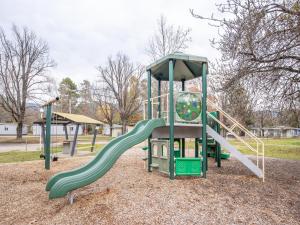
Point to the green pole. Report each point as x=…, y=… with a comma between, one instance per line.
x=159, y=99
x=218, y=146
x=204, y=120
x=149, y=117
x=183, y=140
x=196, y=148
x=48, y=136
x=171, y=118
x=183, y=84
x=183, y=147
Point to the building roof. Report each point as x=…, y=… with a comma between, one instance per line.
x=186, y=67
x=66, y=118
x=275, y=128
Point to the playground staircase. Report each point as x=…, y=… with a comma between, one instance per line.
x=238, y=155
x=250, y=142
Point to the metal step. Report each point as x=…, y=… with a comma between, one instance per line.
x=238, y=155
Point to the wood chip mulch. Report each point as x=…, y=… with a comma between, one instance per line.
x=129, y=195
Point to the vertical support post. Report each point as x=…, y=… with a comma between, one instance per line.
x=171, y=118
x=183, y=140
x=183, y=147
x=75, y=140
x=149, y=117
x=43, y=136
x=48, y=136
x=218, y=146
x=183, y=84
x=204, y=119
x=94, y=138
x=66, y=132
x=159, y=98
x=196, y=147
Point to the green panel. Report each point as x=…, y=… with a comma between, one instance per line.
x=176, y=153
x=188, y=166
x=103, y=162
x=224, y=155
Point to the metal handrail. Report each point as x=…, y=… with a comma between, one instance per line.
x=234, y=134
x=234, y=121
x=251, y=135
x=236, y=124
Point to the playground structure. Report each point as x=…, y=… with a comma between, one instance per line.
x=59, y=118
x=170, y=117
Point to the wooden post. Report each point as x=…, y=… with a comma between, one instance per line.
x=43, y=136
x=66, y=132
x=94, y=138
x=75, y=140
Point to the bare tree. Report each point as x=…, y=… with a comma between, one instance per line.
x=166, y=40
x=106, y=105
x=121, y=79
x=260, y=45
x=24, y=60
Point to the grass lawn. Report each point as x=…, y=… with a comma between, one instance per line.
x=21, y=156
x=36, y=139
x=284, y=148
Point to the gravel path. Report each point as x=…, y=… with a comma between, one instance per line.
x=129, y=195
x=18, y=147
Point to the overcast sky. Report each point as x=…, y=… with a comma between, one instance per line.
x=82, y=34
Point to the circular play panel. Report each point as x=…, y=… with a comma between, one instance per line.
x=188, y=107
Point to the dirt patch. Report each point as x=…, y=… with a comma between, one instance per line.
x=129, y=195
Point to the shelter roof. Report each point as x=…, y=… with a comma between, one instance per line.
x=186, y=67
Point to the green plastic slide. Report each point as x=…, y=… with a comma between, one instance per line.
x=62, y=183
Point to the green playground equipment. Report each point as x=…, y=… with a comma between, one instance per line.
x=168, y=118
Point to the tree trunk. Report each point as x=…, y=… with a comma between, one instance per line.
x=110, y=129
x=20, y=130
x=124, y=127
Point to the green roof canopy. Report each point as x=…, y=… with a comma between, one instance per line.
x=186, y=67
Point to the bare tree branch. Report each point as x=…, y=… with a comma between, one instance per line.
x=24, y=61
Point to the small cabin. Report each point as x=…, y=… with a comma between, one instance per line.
x=10, y=129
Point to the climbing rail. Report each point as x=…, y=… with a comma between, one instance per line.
x=160, y=109
x=231, y=126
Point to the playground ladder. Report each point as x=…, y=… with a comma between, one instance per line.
x=259, y=168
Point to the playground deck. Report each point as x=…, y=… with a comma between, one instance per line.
x=127, y=194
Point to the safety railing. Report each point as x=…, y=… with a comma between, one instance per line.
x=232, y=126
x=160, y=109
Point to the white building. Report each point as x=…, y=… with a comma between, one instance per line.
x=10, y=129
x=58, y=129
x=116, y=130
x=280, y=131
